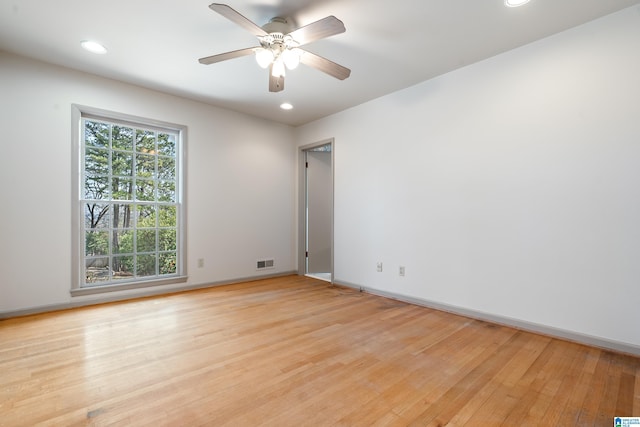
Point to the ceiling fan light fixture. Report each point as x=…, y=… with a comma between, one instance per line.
x=279, y=45
x=264, y=57
x=277, y=69
x=291, y=57
x=515, y=3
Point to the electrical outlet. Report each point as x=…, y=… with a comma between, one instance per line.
x=200, y=262
x=401, y=270
x=379, y=267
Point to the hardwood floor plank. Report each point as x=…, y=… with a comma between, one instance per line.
x=441, y=366
x=510, y=385
x=442, y=409
x=295, y=351
x=624, y=401
x=550, y=401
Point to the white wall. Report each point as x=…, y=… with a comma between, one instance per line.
x=510, y=187
x=240, y=174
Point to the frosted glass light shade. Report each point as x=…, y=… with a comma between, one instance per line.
x=264, y=57
x=291, y=58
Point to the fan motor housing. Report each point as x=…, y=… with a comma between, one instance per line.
x=278, y=25
x=278, y=37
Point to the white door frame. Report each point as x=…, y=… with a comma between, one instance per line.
x=302, y=202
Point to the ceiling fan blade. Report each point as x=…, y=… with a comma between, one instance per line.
x=276, y=84
x=234, y=16
x=229, y=55
x=321, y=29
x=324, y=65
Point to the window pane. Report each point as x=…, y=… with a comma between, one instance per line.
x=146, y=265
x=96, y=188
x=97, y=270
x=122, y=138
x=122, y=163
x=122, y=267
x=122, y=242
x=96, y=243
x=168, y=263
x=168, y=216
x=145, y=165
x=166, y=191
x=122, y=188
x=166, y=144
x=168, y=240
x=96, y=134
x=121, y=216
x=96, y=162
x=146, y=241
x=145, y=190
x=166, y=168
x=145, y=141
x=96, y=215
x=146, y=216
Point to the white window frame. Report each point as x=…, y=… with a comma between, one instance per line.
x=78, y=287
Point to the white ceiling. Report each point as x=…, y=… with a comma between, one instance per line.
x=388, y=45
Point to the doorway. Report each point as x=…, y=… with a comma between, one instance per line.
x=317, y=211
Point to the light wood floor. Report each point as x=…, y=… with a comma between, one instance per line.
x=295, y=351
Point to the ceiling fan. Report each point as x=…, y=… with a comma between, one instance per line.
x=280, y=45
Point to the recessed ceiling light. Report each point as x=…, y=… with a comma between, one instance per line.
x=286, y=106
x=93, y=47
x=515, y=3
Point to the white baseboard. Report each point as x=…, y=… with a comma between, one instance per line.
x=620, y=347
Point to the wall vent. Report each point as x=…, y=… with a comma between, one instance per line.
x=263, y=264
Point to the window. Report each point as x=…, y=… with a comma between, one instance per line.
x=130, y=220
